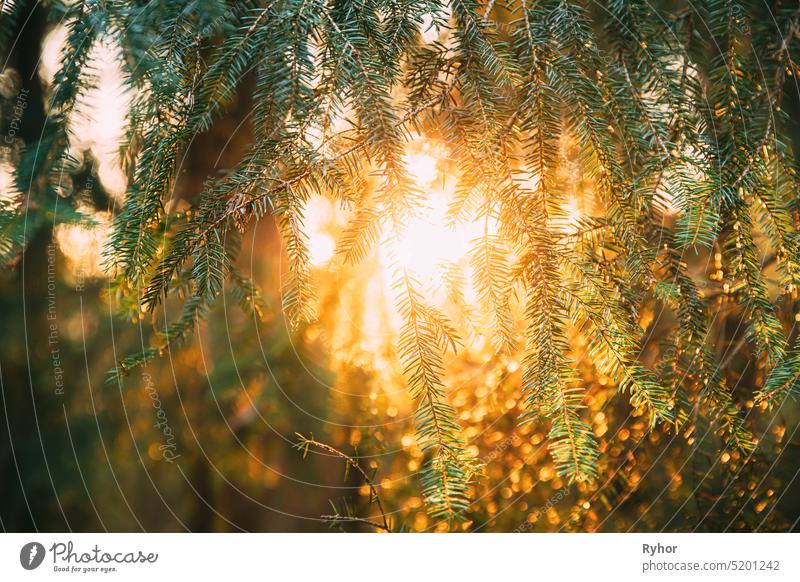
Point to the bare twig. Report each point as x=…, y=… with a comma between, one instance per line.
x=305, y=443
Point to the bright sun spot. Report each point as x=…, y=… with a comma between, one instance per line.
x=426, y=245
x=429, y=240
x=322, y=247
x=570, y=222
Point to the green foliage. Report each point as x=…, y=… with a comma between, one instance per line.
x=449, y=467
x=685, y=145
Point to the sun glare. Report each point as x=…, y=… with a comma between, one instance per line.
x=426, y=246
x=423, y=166
x=319, y=216
x=322, y=248
x=573, y=213
x=430, y=240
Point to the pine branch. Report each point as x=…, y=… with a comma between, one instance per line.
x=449, y=468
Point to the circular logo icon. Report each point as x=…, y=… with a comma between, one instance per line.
x=31, y=555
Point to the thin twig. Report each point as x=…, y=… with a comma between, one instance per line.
x=306, y=442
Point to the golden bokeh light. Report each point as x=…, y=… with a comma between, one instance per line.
x=83, y=245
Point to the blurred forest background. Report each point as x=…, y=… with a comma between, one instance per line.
x=203, y=438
